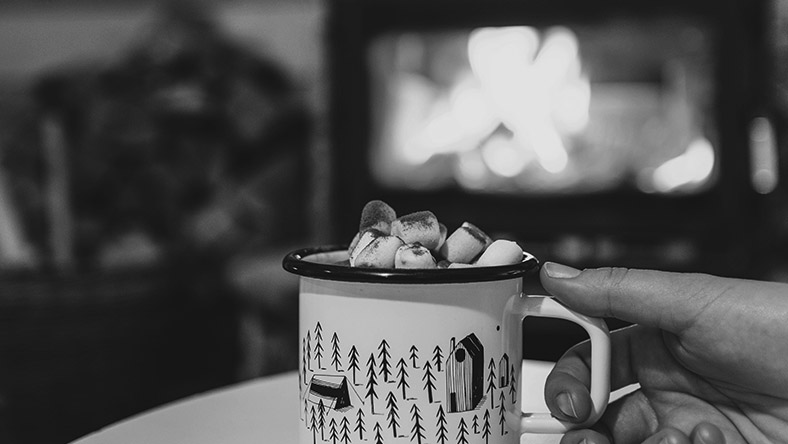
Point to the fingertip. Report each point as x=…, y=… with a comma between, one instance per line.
x=668, y=436
x=567, y=398
x=584, y=437
x=707, y=433
x=554, y=270
x=563, y=282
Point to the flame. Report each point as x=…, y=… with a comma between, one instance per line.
x=533, y=86
x=537, y=90
x=693, y=166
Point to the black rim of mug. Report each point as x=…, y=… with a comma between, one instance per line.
x=296, y=263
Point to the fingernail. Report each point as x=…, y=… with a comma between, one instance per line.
x=698, y=440
x=559, y=271
x=566, y=405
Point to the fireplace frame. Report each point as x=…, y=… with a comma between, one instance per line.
x=718, y=222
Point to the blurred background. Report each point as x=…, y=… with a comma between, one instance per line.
x=158, y=159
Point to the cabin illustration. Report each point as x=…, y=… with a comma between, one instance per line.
x=504, y=372
x=333, y=390
x=464, y=374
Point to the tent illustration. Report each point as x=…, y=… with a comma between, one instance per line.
x=334, y=390
x=464, y=374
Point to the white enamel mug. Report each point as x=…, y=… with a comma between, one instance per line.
x=423, y=356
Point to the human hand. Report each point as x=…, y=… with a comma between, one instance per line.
x=710, y=355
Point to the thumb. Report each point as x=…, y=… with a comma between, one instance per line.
x=665, y=300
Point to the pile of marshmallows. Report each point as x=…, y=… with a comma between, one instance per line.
x=419, y=240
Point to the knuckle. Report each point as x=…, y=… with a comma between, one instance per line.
x=614, y=278
x=613, y=288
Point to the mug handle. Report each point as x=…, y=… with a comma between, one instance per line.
x=517, y=309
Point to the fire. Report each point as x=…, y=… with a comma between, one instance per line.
x=531, y=85
x=512, y=109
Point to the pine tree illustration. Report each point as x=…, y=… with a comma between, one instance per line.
x=393, y=414
x=513, y=386
x=486, y=427
x=475, y=424
x=360, y=426
x=414, y=356
x=306, y=410
x=437, y=357
x=353, y=362
x=313, y=426
x=378, y=433
x=429, y=380
x=303, y=358
x=333, y=432
x=491, y=383
x=417, y=431
x=344, y=429
x=321, y=418
x=462, y=434
x=372, y=395
x=502, y=414
x=442, y=434
x=335, y=353
x=402, y=375
x=319, y=345
x=308, y=351
x=384, y=355
x=318, y=332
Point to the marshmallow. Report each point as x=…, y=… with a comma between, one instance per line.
x=377, y=214
x=379, y=253
x=443, y=232
x=420, y=227
x=353, y=243
x=465, y=244
x=414, y=256
x=364, y=239
x=501, y=252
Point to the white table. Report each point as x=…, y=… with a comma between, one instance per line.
x=263, y=410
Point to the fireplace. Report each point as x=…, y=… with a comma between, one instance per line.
x=599, y=133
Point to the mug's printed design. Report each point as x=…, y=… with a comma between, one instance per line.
x=454, y=394
x=465, y=374
x=333, y=391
